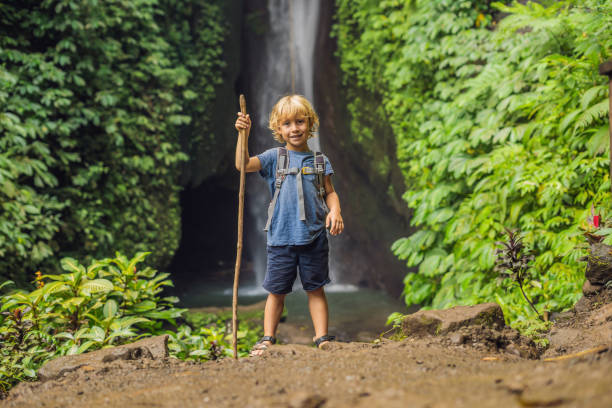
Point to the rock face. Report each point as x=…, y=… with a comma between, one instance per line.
x=374, y=212
x=437, y=322
x=599, y=266
x=153, y=348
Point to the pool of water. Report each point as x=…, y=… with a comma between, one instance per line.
x=355, y=313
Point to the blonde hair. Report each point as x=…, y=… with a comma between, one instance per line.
x=289, y=107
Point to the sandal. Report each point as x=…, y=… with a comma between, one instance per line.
x=260, y=346
x=323, y=339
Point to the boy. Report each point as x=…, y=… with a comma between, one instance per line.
x=297, y=217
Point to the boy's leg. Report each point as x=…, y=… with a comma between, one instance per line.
x=280, y=275
x=314, y=273
x=273, y=313
x=317, y=303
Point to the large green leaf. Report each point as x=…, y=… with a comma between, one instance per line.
x=74, y=301
x=144, y=306
x=54, y=287
x=129, y=321
x=72, y=265
x=8, y=282
x=85, y=346
x=110, y=308
x=96, y=285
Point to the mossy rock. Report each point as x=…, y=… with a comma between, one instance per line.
x=440, y=322
x=599, y=266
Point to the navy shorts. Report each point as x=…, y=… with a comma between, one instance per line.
x=283, y=262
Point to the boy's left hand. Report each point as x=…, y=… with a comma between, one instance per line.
x=334, y=223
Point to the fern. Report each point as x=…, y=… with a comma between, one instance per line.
x=592, y=114
x=600, y=141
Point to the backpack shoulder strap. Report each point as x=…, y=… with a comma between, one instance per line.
x=319, y=167
x=319, y=162
x=282, y=164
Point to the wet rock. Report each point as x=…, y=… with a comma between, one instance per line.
x=599, y=264
x=436, y=322
x=153, y=348
x=590, y=289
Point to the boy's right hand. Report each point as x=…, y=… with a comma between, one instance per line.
x=243, y=123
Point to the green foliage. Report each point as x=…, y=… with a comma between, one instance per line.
x=536, y=329
x=93, y=98
x=211, y=336
x=108, y=303
x=497, y=124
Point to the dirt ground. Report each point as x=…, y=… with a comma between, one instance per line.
x=415, y=372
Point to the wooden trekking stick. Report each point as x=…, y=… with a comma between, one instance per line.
x=243, y=144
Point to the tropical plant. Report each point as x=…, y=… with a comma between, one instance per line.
x=513, y=264
x=498, y=124
x=110, y=302
x=209, y=336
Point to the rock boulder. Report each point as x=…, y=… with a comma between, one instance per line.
x=438, y=322
x=151, y=347
x=599, y=265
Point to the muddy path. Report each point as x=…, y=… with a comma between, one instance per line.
x=429, y=371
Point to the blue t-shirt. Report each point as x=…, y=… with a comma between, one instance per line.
x=286, y=227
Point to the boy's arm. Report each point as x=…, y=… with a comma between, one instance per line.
x=251, y=164
x=334, y=220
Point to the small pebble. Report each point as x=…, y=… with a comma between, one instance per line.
x=457, y=338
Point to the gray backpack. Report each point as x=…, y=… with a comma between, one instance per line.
x=282, y=170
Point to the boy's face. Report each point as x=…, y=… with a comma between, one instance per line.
x=295, y=132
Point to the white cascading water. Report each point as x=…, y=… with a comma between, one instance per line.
x=287, y=51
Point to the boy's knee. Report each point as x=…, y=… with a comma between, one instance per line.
x=277, y=297
x=317, y=292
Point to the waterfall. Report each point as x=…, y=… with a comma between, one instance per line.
x=288, y=47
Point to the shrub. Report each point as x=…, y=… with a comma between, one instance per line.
x=94, y=99
x=110, y=302
x=498, y=124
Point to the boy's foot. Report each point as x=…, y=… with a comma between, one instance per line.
x=262, y=345
x=322, y=341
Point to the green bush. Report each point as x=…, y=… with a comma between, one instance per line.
x=498, y=124
x=111, y=302
x=95, y=98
